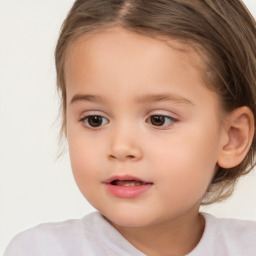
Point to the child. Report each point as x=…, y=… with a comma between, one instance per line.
x=158, y=103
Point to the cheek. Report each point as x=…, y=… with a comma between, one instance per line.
x=84, y=161
x=86, y=173
x=187, y=162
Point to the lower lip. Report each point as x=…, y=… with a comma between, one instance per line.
x=127, y=191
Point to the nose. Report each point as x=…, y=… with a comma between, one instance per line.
x=124, y=146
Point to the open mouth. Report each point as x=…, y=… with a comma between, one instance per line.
x=127, y=186
x=128, y=183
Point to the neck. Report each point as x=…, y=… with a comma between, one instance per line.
x=176, y=237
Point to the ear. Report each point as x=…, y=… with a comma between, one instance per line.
x=237, y=139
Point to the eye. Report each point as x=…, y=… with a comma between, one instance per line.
x=94, y=121
x=160, y=120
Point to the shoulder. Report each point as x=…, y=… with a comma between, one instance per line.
x=52, y=238
x=223, y=236
x=72, y=237
x=231, y=227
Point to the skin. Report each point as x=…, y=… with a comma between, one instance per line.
x=178, y=157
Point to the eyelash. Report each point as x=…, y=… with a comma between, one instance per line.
x=170, y=119
x=85, y=119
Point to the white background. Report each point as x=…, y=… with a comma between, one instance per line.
x=34, y=186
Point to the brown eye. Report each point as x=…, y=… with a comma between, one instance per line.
x=94, y=121
x=159, y=120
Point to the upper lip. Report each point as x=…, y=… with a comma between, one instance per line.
x=125, y=177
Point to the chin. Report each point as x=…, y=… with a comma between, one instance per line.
x=127, y=218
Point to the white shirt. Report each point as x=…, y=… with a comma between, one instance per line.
x=94, y=236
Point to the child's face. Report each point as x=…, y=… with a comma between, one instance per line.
x=152, y=119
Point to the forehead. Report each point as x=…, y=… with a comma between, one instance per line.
x=120, y=46
x=122, y=64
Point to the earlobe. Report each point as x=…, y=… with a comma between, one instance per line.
x=239, y=130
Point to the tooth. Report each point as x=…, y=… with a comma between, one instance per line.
x=127, y=183
x=130, y=184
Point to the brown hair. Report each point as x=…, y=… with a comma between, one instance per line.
x=222, y=30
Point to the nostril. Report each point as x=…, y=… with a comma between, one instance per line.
x=130, y=156
x=124, y=154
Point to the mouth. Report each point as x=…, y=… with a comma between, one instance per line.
x=127, y=186
x=128, y=183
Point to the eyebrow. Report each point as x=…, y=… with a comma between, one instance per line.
x=149, y=98
x=85, y=97
x=152, y=98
